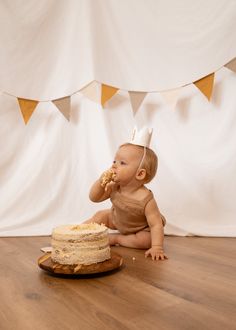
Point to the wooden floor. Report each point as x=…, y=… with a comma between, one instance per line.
x=194, y=289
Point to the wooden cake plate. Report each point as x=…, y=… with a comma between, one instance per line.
x=45, y=262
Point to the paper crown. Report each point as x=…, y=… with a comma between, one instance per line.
x=142, y=137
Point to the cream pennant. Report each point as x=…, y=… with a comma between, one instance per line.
x=107, y=93
x=27, y=108
x=136, y=99
x=231, y=65
x=63, y=105
x=205, y=85
x=171, y=96
x=92, y=91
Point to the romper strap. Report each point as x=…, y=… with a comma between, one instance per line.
x=147, y=199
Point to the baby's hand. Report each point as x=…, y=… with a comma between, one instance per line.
x=109, y=185
x=156, y=253
x=107, y=179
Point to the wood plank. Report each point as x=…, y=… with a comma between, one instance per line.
x=194, y=289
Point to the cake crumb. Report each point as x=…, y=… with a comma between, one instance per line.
x=46, y=249
x=133, y=258
x=77, y=268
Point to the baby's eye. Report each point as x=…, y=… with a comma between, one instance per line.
x=114, y=161
x=122, y=162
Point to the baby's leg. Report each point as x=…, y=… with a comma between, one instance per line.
x=103, y=216
x=140, y=240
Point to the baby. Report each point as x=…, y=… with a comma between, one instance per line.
x=134, y=210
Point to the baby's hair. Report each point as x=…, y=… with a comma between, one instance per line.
x=149, y=162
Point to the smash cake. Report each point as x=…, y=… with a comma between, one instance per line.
x=83, y=244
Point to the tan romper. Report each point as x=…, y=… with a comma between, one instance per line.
x=128, y=215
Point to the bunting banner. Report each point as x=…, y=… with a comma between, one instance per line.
x=102, y=93
x=205, y=85
x=171, y=96
x=231, y=65
x=63, y=106
x=27, y=108
x=136, y=99
x=92, y=91
x=107, y=93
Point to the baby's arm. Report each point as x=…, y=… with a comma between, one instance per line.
x=157, y=232
x=102, y=188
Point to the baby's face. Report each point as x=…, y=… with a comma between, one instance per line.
x=126, y=163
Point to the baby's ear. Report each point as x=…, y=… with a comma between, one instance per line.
x=141, y=174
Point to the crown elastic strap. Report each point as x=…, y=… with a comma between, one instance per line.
x=144, y=155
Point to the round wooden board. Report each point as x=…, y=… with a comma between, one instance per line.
x=45, y=262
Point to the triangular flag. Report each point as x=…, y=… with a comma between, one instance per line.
x=27, y=107
x=206, y=85
x=136, y=98
x=92, y=91
x=107, y=93
x=63, y=105
x=171, y=96
x=231, y=65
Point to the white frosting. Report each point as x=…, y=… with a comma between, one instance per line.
x=80, y=244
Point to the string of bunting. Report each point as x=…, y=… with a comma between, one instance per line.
x=101, y=93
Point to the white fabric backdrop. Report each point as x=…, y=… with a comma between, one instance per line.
x=52, y=48
x=47, y=167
